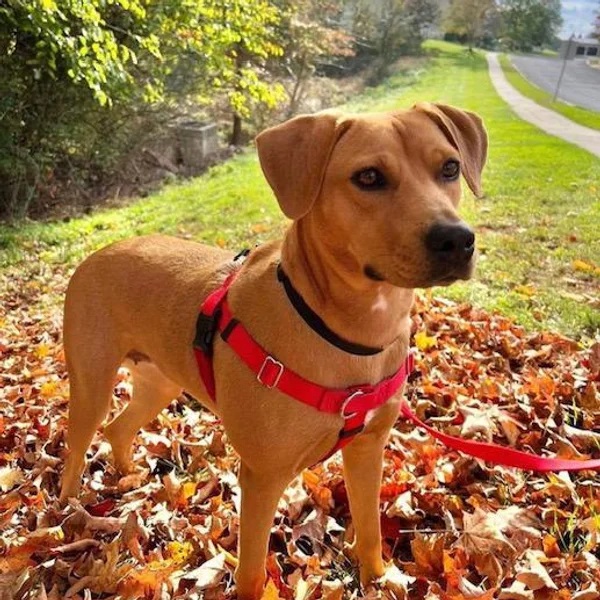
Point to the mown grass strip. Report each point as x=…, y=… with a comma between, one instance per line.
x=537, y=225
x=585, y=117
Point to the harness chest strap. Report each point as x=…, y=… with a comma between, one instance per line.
x=352, y=404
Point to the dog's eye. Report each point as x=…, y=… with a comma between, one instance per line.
x=451, y=170
x=370, y=179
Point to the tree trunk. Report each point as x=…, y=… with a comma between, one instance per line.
x=236, y=132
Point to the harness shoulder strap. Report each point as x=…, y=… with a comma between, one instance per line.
x=206, y=329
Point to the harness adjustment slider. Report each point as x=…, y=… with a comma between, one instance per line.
x=206, y=328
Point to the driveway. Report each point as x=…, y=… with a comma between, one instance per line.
x=580, y=84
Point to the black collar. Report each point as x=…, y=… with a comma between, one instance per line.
x=312, y=319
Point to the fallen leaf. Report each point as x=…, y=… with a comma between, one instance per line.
x=533, y=574
x=10, y=477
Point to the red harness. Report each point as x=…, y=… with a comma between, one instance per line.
x=353, y=403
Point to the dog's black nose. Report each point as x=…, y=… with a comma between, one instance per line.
x=451, y=242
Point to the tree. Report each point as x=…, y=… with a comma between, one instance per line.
x=469, y=19
x=530, y=23
x=71, y=71
x=393, y=27
x=313, y=36
x=596, y=30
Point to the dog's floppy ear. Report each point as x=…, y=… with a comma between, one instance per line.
x=294, y=157
x=465, y=131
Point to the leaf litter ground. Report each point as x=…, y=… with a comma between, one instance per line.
x=453, y=527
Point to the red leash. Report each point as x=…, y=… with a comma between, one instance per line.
x=500, y=455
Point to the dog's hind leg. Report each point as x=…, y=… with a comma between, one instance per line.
x=92, y=362
x=152, y=391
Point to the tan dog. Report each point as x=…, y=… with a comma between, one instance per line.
x=373, y=200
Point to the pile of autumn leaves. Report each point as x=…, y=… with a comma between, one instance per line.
x=453, y=528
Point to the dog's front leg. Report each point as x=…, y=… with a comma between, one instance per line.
x=363, y=468
x=260, y=495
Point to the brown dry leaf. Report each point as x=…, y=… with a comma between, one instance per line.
x=589, y=593
x=294, y=499
x=334, y=590
x=403, y=506
x=532, y=573
x=428, y=553
x=479, y=422
x=482, y=534
x=502, y=532
x=321, y=494
x=396, y=581
x=9, y=478
x=207, y=575
x=490, y=567
x=135, y=535
x=517, y=591
x=304, y=588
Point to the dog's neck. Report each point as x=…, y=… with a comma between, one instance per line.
x=333, y=284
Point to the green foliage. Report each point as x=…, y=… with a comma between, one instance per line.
x=73, y=71
x=311, y=34
x=391, y=28
x=527, y=24
x=472, y=20
x=95, y=43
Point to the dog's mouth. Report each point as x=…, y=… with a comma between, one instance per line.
x=372, y=273
x=436, y=277
x=450, y=276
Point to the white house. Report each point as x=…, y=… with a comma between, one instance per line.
x=579, y=48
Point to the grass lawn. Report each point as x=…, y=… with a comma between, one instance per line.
x=589, y=118
x=537, y=225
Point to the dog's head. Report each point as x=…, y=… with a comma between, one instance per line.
x=382, y=189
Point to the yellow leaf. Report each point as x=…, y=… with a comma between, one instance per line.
x=424, y=341
x=49, y=389
x=525, y=290
x=271, y=592
x=42, y=351
x=180, y=551
x=581, y=265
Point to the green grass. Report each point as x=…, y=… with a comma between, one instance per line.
x=588, y=118
x=540, y=214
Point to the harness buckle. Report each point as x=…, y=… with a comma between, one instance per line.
x=353, y=395
x=265, y=370
x=206, y=326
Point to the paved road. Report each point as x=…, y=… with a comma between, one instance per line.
x=544, y=118
x=580, y=84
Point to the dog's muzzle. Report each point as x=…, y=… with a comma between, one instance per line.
x=451, y=247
